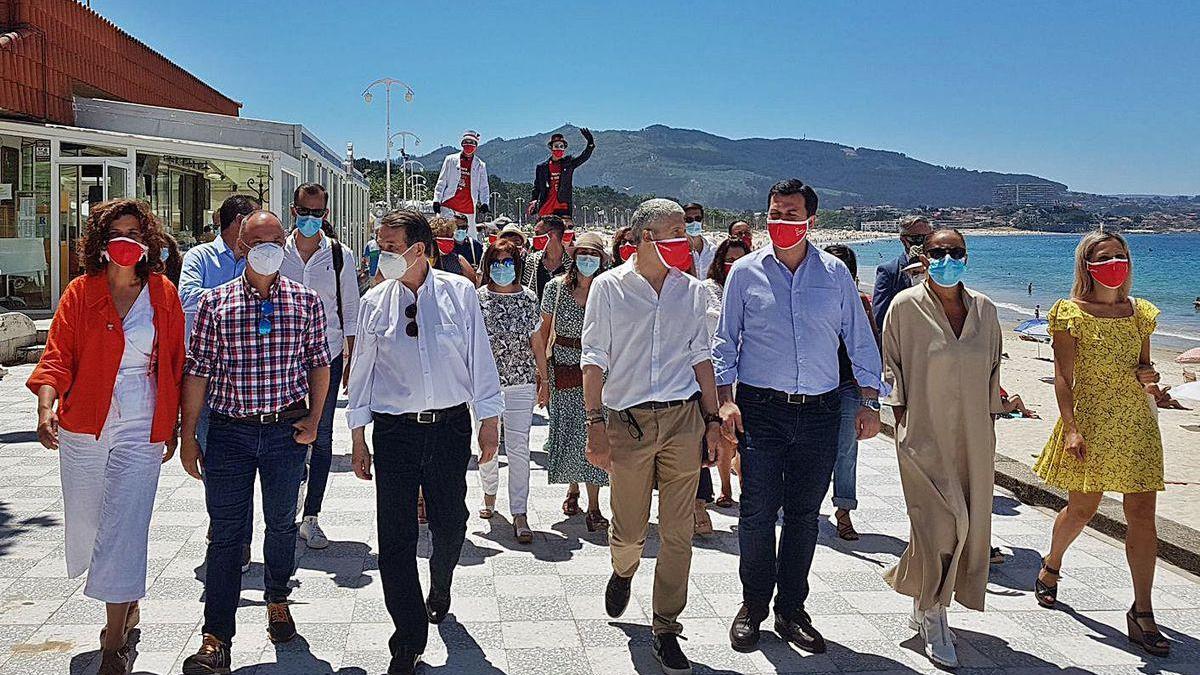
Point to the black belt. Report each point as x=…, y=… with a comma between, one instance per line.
x=431, y=416
x=663, y=405
x=292, y=412
x=777, y=396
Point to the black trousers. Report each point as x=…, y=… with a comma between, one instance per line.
x=433, y=458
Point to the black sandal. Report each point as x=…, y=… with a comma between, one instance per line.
x=1047, y=596
x=1150, y=640
x=845, y=527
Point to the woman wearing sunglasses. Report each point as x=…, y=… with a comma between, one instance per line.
x=114, y=364
x=1106, y=438
x=512, y=318
x=941, y=355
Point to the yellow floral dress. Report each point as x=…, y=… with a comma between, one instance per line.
x=1124, y=449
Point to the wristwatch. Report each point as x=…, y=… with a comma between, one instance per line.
x=709, y=418
x=871, y=404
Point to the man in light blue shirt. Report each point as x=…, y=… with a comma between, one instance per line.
x=204, y=268
x=786, y=309
x=218, y=262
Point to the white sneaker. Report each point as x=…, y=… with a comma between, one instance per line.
x=310, y=532
x=939, y=644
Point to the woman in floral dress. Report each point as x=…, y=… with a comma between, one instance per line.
x=561, y=383
x=1107, y=437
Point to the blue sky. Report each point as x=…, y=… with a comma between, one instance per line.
x=1103, y=96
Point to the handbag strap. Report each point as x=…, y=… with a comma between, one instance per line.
x=554, y=322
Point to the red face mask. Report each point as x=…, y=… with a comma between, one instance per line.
x=568, y=237
x=728, y=266
x=491, y=239
x=125, y=251
x=445, y=245
x=748, y=241
x=626, y=251
x=788, y=233
x=540, y=241
x=557, y=154
x=675, y=253
x=1110, y=273
x=468, y=150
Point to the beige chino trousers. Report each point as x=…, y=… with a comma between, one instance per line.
x=667, y=454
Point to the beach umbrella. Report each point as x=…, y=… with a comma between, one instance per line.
x=1190, y=356
x=1189, y=390
x=1034, y=330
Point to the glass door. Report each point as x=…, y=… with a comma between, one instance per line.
x=82, y=184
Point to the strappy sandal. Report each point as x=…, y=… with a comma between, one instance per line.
x=486, y=512
x=132, y=618
x=724, y=502
x=596, y=522
x=845, y=528
x=1150, y=640
x=1047, y=596
x=571, y=504
x=522, y=533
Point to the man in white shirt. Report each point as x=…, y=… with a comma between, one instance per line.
x=327, y=267
x=422, y=357
x=462, y=185
x=703, y=251
x=644, y=326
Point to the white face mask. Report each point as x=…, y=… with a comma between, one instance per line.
x=266, y=258
x=393, y=265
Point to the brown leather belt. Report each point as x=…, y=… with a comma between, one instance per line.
x=292, y=412
x=573, y=343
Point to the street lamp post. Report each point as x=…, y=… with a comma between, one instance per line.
x=406, y=168
x=520, y=211
x=387, y=83
x=404, y=153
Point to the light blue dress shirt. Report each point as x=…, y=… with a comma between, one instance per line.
x=204, y=268
x=780, y=330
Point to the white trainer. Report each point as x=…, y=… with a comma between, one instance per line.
x=310, y=532
x=939, y=643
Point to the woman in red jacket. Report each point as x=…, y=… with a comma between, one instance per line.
x=114, y=364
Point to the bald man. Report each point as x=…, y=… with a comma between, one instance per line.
x=260, y=359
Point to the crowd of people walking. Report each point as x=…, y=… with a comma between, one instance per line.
x=658, y=353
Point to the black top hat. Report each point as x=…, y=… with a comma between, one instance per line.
x=556, y=137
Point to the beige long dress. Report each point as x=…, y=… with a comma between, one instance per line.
x=945, y=442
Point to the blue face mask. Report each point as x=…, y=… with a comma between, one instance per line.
x=947, y=271
x=308, y=225
x=166, y=253
x=587, y=264
x=694, y=228
x=460, y=236
x=502, y=274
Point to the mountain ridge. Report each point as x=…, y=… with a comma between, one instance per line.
x=695, y=165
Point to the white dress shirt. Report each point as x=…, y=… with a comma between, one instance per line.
x=647, y=342
x=317, y=274
x=702, y=259
x=448, y=363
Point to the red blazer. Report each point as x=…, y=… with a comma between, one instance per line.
x=84, y=349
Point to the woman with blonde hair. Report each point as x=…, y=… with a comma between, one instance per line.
x=1106, y=438
x=444, y=256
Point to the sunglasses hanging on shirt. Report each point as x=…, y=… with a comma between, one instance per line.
x=265, y=322
x=410, y=313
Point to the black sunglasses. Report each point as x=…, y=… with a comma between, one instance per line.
x=319, y=213
x=689, y=219
x=914, y=239
x=410, y=312
x=956, y=252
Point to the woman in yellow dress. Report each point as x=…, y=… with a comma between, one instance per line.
x=1106, y=438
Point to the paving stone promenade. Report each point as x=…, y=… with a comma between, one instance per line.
x=540, y=609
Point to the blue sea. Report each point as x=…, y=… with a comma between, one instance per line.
x=1166, y=270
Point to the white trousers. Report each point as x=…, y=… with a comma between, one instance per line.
x=108, y=489
x=517, y=418
x=451, y=213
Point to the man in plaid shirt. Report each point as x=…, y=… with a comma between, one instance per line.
x=259, y=354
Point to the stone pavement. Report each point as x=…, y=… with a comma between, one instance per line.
x=539, y=609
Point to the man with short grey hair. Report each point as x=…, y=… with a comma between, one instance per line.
x=890, y=277
x=644, y=326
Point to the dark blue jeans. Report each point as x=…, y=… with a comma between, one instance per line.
x=235, y=453
x=321, y=456
x=788, y=452
x=432, y=457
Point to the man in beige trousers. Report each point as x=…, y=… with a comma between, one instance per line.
x=644, y=326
